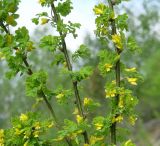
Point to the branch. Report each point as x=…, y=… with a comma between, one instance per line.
x=30, y=72
x=4, y=27
x=69, y=66
x=117, y=73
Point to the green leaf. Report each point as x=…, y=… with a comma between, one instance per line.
x=11, y=20
x=82, y=74
x=72, y=28
x=50, y=42
x=63, y=95
x=99, y=9
x=15, y=64
x=64, y=8
x=58, y=58
x=102, y=20
x=82, y=52
x=132, y=45
x=35, y=21
x=22, y=35
x=90, y=104
x=121, y=22
x=107, y=62
x=128, y=143
x=1, y=41
x=35, y=83
x=119, y=1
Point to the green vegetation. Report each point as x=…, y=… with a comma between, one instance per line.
x=84, y=98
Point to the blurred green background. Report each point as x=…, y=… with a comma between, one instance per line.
x=144, y=22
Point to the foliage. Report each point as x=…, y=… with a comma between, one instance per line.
x=15, y=49
x=27, y=129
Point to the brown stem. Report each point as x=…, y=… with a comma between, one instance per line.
x=4, y=27
x=117, y=73
x=69, y=66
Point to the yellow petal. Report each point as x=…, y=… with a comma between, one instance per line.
x=132, y=81
x=44, y=21
x=23, y=117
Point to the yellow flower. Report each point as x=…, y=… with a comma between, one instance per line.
x=94, y=139
x=128, y=143
x=36, y=133
x=79, y=119
x=79, y=132
x=44, y=21
x=87, y=101
x=26, y=143
x=51, y=125
x=1, y=133
x=23, y=117
x=132, y=81
x=59, y=139
x=98, y=10
x=86, y=144
x=98, y=126
x=2, y=56
x=59, y=96
x=17, y=131
x=37, y=126
x=108, y=67
x=132, y=120
x=1, y=142
x=42, y=1
x=1, y=137
x=75, y=111
x=133, y=69
x=74, y=134
x=117, y=40
x=121, y=102
x=117, y=119
x=26, y=135
x=110, y=93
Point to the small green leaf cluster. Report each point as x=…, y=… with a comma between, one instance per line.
x=62, y=95
x=82, y=52
x=8, y=10
x=28, y=130
x=50, y=43
x=14, y=49
x=72, y=130
x=104, y=14
x=82, y=74
x=43, y=16
x=90, y=105
x=35, y=83
x=108, y=61
x=64, y=8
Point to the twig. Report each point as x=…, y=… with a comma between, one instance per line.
x=30, y=72
x=69, y=66
x=117, y=72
